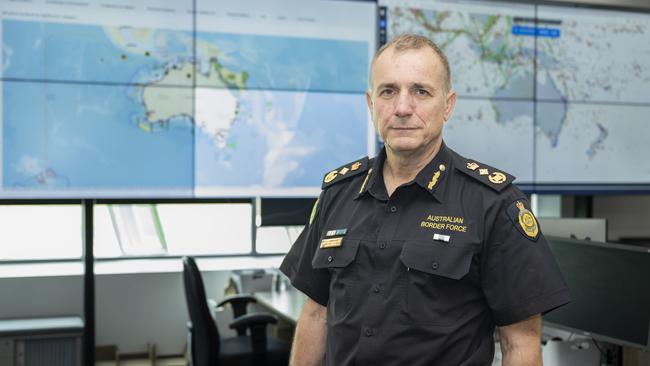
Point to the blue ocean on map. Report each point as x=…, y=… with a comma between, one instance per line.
x=82, y=135
x=289, y=63
x=74, y=52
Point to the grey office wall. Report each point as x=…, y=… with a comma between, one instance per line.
x=131, y=309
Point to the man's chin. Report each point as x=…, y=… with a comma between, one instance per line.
x=403, y=147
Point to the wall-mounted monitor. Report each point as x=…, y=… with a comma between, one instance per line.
x=555, y=95
x=181, y=98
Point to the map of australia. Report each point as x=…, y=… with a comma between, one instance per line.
x=123, y=109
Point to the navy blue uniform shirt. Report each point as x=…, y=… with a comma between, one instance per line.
x=424, y=276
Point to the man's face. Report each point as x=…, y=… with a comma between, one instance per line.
x=408, y=102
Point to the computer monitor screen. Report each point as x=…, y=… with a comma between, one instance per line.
x=610, y=288
x=555, y=95
x=169, y=98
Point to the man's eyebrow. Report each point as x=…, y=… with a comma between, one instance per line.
x=422, y=86
x=387, y=85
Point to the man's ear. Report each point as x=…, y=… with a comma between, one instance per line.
x=369, y=101
x=450, y=103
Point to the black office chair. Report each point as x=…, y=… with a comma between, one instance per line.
x=208, y=349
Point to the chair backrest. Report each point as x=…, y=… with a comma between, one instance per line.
x=204, y=345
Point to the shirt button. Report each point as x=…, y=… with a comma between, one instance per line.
x=382, y=245
x=329, y=259
x=435, y=265
x=393, y=209
x=376, y=289
x=369, y=332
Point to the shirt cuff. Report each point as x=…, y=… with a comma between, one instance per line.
x=304, y=286
x=541, y=304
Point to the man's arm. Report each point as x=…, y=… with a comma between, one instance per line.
x=309, y=342
x=521, y=342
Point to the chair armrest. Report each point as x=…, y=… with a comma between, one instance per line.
x=238, y=303
x=247, y=321
x=257, y=324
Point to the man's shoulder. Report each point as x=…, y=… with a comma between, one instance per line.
x=346, y=171
x=489, y=176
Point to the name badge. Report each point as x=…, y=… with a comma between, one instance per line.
x=331, y=243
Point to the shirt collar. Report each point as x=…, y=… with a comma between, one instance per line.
x=431, y=178
x=373, y=184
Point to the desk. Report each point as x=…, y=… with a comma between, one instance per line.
x=286, y=304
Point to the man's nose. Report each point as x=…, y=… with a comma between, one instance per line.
x=403, y=104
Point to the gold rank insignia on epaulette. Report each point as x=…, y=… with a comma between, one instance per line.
x=487, y=175
x=346, y=171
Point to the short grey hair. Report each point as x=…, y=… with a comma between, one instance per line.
x=407, y=42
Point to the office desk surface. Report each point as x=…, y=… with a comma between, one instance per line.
x=286, y=304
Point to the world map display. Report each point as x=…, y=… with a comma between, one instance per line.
x=554, y=96
x=129, y=111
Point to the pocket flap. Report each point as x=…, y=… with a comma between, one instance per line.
x=336, y=257
x=447, y=261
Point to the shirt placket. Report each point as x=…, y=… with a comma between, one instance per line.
x=388, y=216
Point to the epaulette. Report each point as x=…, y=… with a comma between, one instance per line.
x=346, y=171
x=491, y=177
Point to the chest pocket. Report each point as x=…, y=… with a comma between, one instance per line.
x=344, y=277
x=435, y=290
x=338, y=257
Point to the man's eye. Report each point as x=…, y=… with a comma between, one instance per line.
x=386, y=92
x=422, y=92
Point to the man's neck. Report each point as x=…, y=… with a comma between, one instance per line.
x=400, y=168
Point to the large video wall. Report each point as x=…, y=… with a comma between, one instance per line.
x=113, y=98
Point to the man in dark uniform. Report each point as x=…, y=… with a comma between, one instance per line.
x=413, y=257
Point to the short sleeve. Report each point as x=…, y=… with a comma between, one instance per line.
x=520, y=275
x=297, y=264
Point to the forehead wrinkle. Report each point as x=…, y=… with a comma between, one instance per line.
x=394, y=55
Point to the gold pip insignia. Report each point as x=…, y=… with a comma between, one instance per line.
x=527, y=221
x=345, y=172
x=497, y=177
x=331, y=176
x=331, y=242
x=434, y=180
x=490, y=177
